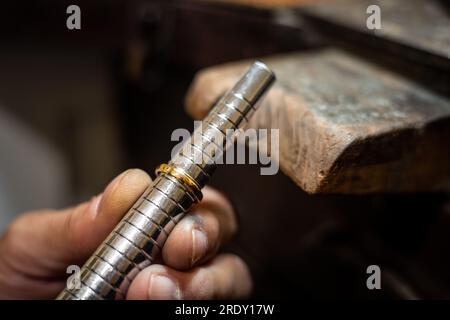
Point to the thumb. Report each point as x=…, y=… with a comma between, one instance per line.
x=85, y=227
x=59, y=238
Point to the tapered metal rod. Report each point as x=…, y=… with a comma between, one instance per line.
x=141, y=234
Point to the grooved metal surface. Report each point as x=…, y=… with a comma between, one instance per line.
x=140, y=236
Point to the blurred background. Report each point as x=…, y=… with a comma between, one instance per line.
x=78, y=107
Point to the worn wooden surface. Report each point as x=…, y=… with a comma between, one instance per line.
x=346, y=126
x=417, y=29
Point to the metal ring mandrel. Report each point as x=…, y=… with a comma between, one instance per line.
x=252, y=86
x=141, y=234
x=183, y=178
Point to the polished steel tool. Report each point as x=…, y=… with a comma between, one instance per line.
x=141, y=234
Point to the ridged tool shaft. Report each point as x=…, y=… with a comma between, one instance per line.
x=141, y=234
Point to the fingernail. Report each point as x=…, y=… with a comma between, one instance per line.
x=163, y=288
x=199, y=245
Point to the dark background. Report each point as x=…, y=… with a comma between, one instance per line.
x=107, y=97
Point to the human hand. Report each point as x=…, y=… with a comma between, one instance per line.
x=38, y=247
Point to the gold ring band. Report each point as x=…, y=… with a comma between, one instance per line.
x=185, y=179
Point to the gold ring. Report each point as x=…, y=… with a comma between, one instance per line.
x=183, y=178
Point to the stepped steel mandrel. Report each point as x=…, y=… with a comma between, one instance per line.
x=141, y=234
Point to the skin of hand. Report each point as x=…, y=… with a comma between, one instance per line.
x=37, y=248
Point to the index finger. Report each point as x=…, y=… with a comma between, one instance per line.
x=198, y=236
